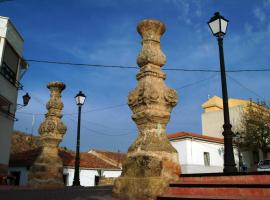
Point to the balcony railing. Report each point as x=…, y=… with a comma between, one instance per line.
x=9, y=75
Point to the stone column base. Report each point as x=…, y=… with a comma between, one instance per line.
x=47, y=171
x=132, y=188
x=44, y=176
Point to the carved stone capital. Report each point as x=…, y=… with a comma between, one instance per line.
x=151, y=31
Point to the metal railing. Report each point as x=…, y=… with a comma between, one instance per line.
x=10, y=75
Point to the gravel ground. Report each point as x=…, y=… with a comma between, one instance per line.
x=67, y=193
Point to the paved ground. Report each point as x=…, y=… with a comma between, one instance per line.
x=68, y=193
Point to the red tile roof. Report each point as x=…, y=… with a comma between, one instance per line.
x=25, y=158
x=194, y=135
x=87, y=160
x=114, y=158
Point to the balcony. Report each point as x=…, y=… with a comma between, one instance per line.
x=5, y=105
x=9, y=75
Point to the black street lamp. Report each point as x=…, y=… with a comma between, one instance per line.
x=80, y=98
x=26, y=99
x=218, y=25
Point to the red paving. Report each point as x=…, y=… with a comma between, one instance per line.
x=218, y=186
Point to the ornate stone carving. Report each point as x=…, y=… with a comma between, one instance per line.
x=151, y=161
x=47, y=170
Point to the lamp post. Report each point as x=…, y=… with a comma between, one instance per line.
x=80, y=98
x=218, y=25
x=26, y=99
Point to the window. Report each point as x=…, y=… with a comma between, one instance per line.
x=65, y=179
x=10, y=65
x=206, y=157
x=5, y=105
x=11, y=58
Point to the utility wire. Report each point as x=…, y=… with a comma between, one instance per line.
x=243, y=86
x=115, y=106
x=98, y=109
x=88, y=111
x=93, y=132
x=108, y=127
x=196, y=82
x=82, y=64
x=34, y=97
x=132, y=67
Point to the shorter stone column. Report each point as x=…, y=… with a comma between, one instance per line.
x=47, y=171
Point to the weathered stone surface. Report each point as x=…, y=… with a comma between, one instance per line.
x=47, y=171
x=151, y=161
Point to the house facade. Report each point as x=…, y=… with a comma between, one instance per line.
x=212, y=124
x=212, y=117
x=198, y=153
x=12, y=66
x=93, y=169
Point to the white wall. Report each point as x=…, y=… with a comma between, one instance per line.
x=191, y=155
x=212, y=122
x=7, y=90
x=112, y=173
x=8, y=31
x=87, y=176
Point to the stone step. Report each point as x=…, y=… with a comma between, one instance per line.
x=232, y=178
x=250, y=186
x=217, y=191
x=195, y=197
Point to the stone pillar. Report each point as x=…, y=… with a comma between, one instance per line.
x=47, y=171
x=151, y=161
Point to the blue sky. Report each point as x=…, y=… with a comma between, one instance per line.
x=104, y=32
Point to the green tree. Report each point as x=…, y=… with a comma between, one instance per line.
x=255, y=128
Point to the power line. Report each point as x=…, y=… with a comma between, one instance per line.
x=98, y=109
x=115, y=106
x=108, y=127
x=98, y=132
x=88, y=111
x=82, y=64
x=240, y=84
x=132, y=67
x=196, y=82
x=35, y=97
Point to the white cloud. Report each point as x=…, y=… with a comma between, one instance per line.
x=259, y=13
x=184, y=9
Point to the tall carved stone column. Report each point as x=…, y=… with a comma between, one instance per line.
x=47, y=171
x=151, y=161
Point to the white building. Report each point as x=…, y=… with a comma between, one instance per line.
x=12, y=66
x=93, y=166
x=198, y=153
x=212, y=117
x=213, y=120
